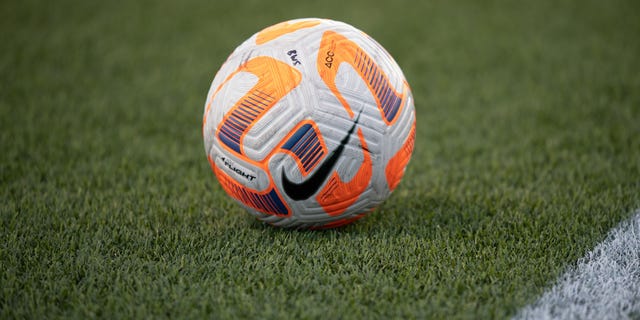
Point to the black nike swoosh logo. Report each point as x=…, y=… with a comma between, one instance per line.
x=305, y=189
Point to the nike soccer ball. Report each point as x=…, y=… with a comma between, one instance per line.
x=309, y=123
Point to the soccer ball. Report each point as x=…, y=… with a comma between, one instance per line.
x=309, y=123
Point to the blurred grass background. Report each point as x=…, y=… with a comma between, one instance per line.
x=527, y=152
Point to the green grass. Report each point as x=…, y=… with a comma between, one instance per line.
x=527, y=153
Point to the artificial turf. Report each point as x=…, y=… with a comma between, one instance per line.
x=527, y=152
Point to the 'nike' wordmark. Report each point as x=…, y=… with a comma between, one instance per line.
x=305, y=189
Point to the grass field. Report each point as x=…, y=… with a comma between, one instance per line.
x=527, y=153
